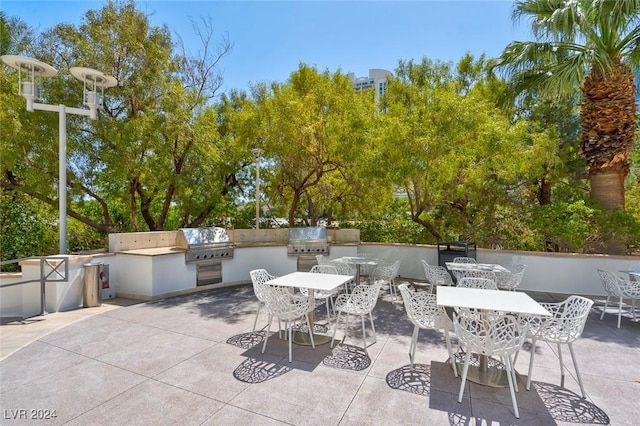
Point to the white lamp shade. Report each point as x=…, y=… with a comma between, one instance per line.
x=93, y=78
x=29, y=65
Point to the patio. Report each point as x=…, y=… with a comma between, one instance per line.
x=193, y=360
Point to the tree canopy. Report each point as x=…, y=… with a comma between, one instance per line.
x=457, y=157
x=440, y=155
x=155, y=146
x=314, y=128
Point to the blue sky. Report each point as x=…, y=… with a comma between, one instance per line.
x=271, y=38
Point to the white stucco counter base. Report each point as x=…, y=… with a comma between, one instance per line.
x=145, y=274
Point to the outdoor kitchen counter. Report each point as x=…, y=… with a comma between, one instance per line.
x=63, y=289
x=154, y=251
x=161, y=251
x=246, y=244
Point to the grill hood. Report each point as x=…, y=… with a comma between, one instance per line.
x=204, y=244
x=189, y=238
x=310, y=240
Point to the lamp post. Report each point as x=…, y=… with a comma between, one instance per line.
x=94, y=84
x=257, y=152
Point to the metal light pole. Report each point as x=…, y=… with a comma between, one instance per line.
x=257, y=152
x=94, y=84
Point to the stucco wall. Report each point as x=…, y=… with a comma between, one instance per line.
x=154, y=276
x=549, y=272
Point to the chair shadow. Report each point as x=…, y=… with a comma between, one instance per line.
x=247, y=340
x=258, y=367
x=553, y=402
x=416, y=381
x=253, y=370
x=567, y=406
x=348, y=357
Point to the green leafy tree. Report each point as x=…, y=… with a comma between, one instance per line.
x=456, y=156
x=560, y=117
x=154, y=148
x=393, y=225
x=592, y=45
x=237, y=125
x=313, y=129
x=27, y=228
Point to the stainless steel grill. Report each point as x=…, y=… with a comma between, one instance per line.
x=204, y=244
x=310, y=240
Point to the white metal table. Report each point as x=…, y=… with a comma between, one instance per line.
x=490, y=267
x=311, y=281
x=633, y=274
x=358, y=261
x=488, y=300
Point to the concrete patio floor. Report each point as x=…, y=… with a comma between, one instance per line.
x=193, y=360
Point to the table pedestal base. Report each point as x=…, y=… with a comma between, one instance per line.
x=494, y=377
x=485, y=371
x=302, y=338
x=320, y=336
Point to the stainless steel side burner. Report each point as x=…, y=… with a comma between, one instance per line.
x=310, y=240
x=204, y=244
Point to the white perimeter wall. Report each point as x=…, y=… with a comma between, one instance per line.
x=155, y=276
x=549, y=272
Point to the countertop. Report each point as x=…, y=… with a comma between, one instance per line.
x=154, y=251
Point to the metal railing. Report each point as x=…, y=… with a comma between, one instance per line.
x=52, y=269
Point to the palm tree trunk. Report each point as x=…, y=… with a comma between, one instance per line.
x=608, y=188
x=608, y=120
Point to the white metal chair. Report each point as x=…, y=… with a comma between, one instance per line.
x=258, y=278
x=489, y=334
x=423, y=312
x=565, y=325
x=473, y=282
x=365, y=269
x=474, y=273
x=387, y=273
x=436, y=275
x=323, y=260
x=510, y=280
x=325, y=296
x=361, y=302
x=345, y=269
x=287, y=307
x=635, y=267
x=620, y=288
x=464, y=259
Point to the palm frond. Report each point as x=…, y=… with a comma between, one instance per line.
x=522, y=56
x=553, y=68
x=552, y=20
x=633, y=57
x=573, y=38
x=615, y=24
x=560, y=80
x=619, y=11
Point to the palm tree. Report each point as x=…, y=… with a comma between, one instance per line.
x=15, y=35
x=593, y=45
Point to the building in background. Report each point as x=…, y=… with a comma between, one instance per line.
x=377, y=80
